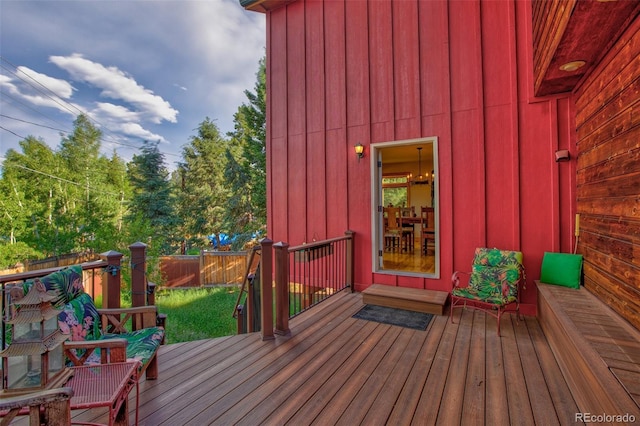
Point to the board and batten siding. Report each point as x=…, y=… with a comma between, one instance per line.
x=346, y=72
x=608, y=176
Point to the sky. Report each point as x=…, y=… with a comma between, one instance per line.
x=140, y=69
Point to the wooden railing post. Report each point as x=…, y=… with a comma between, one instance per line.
x=138, y=274
x=350, y=260
x=282, y=288
x=111, y=289
x=266, y=290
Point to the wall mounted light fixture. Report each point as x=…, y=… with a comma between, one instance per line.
x=359, y=150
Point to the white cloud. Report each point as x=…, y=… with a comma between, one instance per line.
x=130, y=74
x=40, y=90
x=136, y=130
x=39, y=81
x=113, y=111
x=116, y=84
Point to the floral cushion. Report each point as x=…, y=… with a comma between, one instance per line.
x=494, y=277
x=79, y=316
x=141, y=344
x=65, y=284
x=492, y=295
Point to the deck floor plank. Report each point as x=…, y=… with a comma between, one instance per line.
x=475, y=385
x=292, y=380
x=385, y=401
x=251, y=371
x=297, y=394
x=382, y=376
x=497, y=405
x=563, y=404
x=539, y=397
x=332, y=386
x=402, y=412
x=517, y=392
x=432, y=395
x=335, y=368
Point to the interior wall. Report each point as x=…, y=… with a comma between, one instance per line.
x=346, y=72
x=608, y=176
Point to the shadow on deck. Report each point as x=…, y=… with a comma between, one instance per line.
x=335, y=369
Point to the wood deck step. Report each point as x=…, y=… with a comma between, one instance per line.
x=411, y=299
x=598, y=352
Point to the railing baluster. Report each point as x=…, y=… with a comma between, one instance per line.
x=317, y=270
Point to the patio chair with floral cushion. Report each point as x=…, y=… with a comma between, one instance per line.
x=493, y=283
x=101, y=335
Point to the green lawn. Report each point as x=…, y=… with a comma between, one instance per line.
x=199, y=313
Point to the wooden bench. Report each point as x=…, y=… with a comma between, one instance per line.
x=411, y=299
x=596, y=349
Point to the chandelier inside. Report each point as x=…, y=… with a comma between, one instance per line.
x=420, y=179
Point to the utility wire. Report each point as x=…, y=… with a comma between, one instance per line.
x=13, y=133
x=82, y=185
x=6, y=95
x=66, y=107
x=31, y=122
x=102, y=127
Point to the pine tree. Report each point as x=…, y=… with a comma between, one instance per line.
x=151, y=214
x=203, y=191
x=247, y=212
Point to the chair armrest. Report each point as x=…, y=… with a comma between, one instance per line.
x=56, y=404
x=455, y=278
x=36, y=398
x=114, y=320
x=111, y=350
x=137, y=309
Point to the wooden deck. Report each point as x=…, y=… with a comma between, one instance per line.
x=335, y=369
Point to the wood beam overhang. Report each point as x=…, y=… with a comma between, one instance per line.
x=574, y=30
x=263, y=6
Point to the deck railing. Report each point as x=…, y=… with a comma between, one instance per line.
x=303, y=276
x=108, y=268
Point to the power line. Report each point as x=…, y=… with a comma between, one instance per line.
x=13, y=133
x=66, y=107
x=31, y=122
x=6, y=95
x=63, y=179
x=103, y=128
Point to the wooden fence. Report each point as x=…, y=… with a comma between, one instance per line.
x=208, y=268
x=93, y=277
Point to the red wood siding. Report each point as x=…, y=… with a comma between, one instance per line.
x=381, y=70
x=608, y=176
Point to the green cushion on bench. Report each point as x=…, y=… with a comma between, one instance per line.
x=141, y=344
x=561, y=269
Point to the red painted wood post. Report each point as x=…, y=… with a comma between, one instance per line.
x=138, y=274
x=111, y=289
x=282, y=288
x=350, y=260
x=266, y=290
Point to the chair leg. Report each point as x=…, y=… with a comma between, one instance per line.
x=151, y=373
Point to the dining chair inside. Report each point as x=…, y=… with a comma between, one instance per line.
x=427, y=229
x=393, y=231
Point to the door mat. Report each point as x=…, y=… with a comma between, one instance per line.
x=393, y=316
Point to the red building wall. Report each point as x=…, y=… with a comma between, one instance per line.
x=342, y=72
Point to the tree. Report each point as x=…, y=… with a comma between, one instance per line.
x=93, y=203
x=246, y=174
x=151, y=210
x=59, y=202
x=203, y=191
